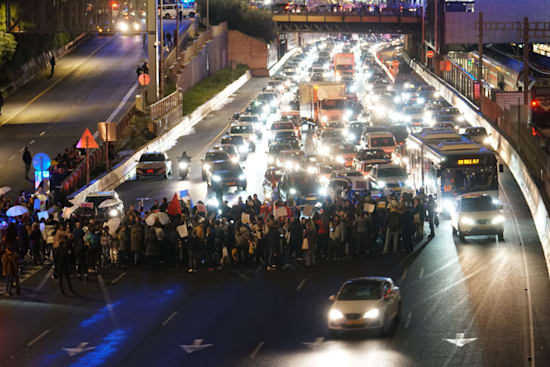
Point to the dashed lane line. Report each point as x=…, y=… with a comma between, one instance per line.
x=118, y=278
x=38, y=338
x=165, y=322
x=256, y=350
x=301, y=285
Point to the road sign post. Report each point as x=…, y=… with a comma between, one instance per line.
x=41, y=163
x=107, y=132
x=87, y=142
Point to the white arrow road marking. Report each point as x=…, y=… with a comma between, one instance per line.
x=316, y=344
x=197, y=345
x=421, y=275
x=82, y=347
x=408, y=321
x=460, y=341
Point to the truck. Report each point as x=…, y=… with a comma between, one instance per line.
x=344, y=65
x=323, y=102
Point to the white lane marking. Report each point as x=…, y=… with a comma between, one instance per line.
x=316, y=344
x=408, y=321
x=124, y=100
x=460, y=340
x=43, y=133
x=527, y=281
x=404, y=273
x=37, y=338
x=256, y=350
x=197, y=345
x=32, y=141
x=82, y=347
x=302, y=282
x=165, y=322
x=11, y=158
x=22, y=149
x=118, y=278
x=421, y=273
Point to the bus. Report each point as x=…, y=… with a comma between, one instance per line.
x=447, y=164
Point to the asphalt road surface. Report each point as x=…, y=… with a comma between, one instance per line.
x=95, y=82
x=479, y=303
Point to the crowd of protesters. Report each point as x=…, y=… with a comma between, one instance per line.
x=246, y=233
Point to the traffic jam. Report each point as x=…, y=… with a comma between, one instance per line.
x=333, y=125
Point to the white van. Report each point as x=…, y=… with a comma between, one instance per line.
x=381, y=140
x=171, y=10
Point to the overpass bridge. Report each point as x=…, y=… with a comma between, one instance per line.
x=395, y=21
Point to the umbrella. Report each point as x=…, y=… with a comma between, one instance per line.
x=107, y=203
x=4, y=190
x=113, y=225
x=16, y=211
x=162, y=217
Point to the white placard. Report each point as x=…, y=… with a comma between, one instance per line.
x=182, y=231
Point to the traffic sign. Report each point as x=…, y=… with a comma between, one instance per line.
x=41, y=162
x=430, y=54
x=144, y=79
x=87, y=141
x=107, y=131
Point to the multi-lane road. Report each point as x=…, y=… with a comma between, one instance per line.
x=95, y=82
x=479, y=303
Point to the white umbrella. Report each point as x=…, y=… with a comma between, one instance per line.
x=162, y=217
x=113, y=225
x=16, y=211
x=4, y=190
x=107, y=203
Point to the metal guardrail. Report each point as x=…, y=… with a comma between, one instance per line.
x=164, y=105
x=359, y=15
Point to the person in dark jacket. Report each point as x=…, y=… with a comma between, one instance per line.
x=27, y=159
x=136, y=240
x=36, y=243
x=151, y=244
x=273, y=243
x=10, y=271
x=392, y=227
x=64, y=266
x=407, y=222
x=52, y=65
x=81, y=251
x=1, y=102
x=296, y=236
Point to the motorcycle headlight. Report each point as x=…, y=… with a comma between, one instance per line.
x=216, y=178
x=292, y=191
x=324, y=119
x=372, y=314
x=113, y=213
x=335, y=315
x=467, y=221
x=323, y=191
x=234, y=159
x=183, y=165
x=498, y=219
x=242, y=177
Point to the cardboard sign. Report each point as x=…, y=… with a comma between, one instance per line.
x=42, y=215
x=67, y=213
x=381, y=204
x=280, y=212
x=368, y=207
x=308, y=210
x=182, y=231
x=245, y=218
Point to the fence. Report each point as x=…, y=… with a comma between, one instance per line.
x=164, y=105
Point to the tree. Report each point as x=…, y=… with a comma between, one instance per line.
x=241, y=17
x=8, y=44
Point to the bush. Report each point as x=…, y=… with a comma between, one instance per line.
x=240, y=17
x=209, y=87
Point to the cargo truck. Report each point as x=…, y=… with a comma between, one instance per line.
x=323, y=101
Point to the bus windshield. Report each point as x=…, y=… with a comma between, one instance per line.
x=470, y=180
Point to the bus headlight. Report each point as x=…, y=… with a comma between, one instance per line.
x=498, y=219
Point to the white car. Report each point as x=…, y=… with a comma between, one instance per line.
x=477, y=214
x=107, y=204
x=153, y=164
x=389, y=177
x=247, y=132
x=365, y=303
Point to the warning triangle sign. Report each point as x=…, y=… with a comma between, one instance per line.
x=87, y=141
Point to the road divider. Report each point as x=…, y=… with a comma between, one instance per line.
x=126, y=169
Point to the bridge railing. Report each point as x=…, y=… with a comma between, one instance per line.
x=386, y=12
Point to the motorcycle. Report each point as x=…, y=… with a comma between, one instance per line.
x=184, y=164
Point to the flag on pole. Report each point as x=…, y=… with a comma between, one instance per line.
x=174, y=207
x=184, y=195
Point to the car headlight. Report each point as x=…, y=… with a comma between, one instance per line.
x=252, y=138
x=242, y=177
x=324, y=119
x=351, y=136
x=324, y=150
x=323, y=191
x=243, y=148
x=335, y=315
x=311, y=170
x=213, y=202
x=123, y=27
x=292, y=191
x=136, y=26
x=234, y=160
x=216, y=178
x=274, y=103
x=353, y=89
x=270, y=159
x=467, y=221
x=421, y=100
x=183, y=165
x=460, y=118
x=372, y=314
x=113, y=213
x=498, y=219
x=408, y=182
x=289, y=165
x=348, y=113
x=265, y=108
x=437, y=95
x=207, y=166
x=340, y=159
x=381, y=184
x=487, y=141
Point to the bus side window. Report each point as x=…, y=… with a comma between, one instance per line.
x=439, y=172
x=500, y=168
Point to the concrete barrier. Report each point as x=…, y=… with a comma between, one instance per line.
x=127, y=168
x=507, y=154
x=275, y=68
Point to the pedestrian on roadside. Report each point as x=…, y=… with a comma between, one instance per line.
x=430, y=208
x=64, y=266
x=136, y=240
x=139, y=70
x=27, y=159
x=52, y=65
x=180, y=14
x=1, y=102
x=10, y=271
x=168, y=39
